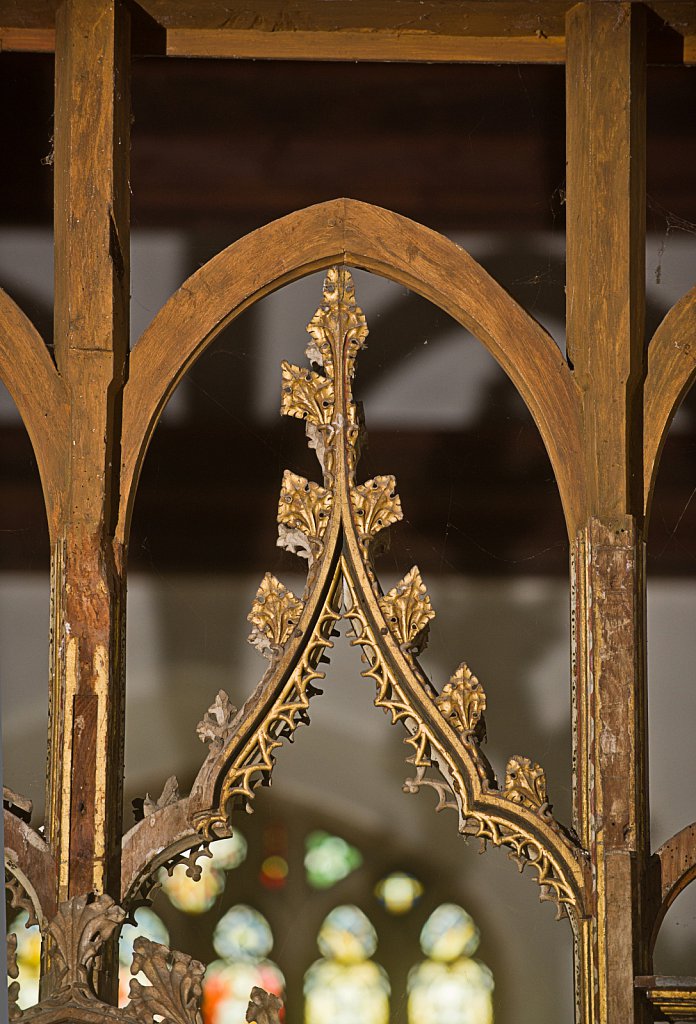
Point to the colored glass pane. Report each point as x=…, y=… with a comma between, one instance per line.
x=347, y=935
x=345, y=986
x=398, y=892
x=227, y=986
x=329, y=859
x=450, y=993
x=229, y=853
x=28, y=959
x=449, y=933
x=243, y=935
x=193, y=897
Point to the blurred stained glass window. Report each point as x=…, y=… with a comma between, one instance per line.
x=329, y=859
x=450, y=987
x=242, y=939
x=345, y=986
x=398, y=892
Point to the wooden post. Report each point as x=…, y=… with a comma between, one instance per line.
x=92, y=128
x=605, y=314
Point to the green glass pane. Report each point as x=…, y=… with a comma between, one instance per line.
x=329, y=859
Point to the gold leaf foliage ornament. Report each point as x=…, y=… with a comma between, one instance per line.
x=274, y=616
x=407, y=610
x=463, y=702
x=376, y=506
x=306, y=395
x=304, y=509
x=525, y=784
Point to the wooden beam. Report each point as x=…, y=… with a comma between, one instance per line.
x=92, y=123
x=476, y=31
x=605, y=291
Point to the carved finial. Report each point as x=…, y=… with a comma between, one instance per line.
x=407, y=610
x=143, y=807
x=264, y=1008
x=274, y=615
x=525, y=784
x=79, y=930
x=303, y=513
x=215, y=726
x=337, y=321
x=175, y=987
x=376, y=505
x=462, y=702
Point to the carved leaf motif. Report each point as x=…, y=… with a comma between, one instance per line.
x=463, y=701
x=263, y=1008
x=170, y=795
x=19, y=898
x=408, y=611
x=306, y=395
x=525, y=784
x=274, y=616
x=79, y=930
x=175, y=989
x=338, y=320
x=13, y=1009
x=304, y=506
x=214, y=728
x=376, y=505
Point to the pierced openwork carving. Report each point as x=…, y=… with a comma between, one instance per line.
x=333, y=524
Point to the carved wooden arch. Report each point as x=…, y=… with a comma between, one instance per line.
x=338, y=527
x=41, y=397
x=365, y=236
x=671, y=372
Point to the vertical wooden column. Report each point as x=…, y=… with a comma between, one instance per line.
x=605, y=312
x=92, y=130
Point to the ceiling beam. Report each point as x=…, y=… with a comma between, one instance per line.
x=452, y=31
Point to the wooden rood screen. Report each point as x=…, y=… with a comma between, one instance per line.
x=602, y=413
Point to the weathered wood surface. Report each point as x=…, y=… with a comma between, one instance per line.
x=674, y=868
x=92, y=124
x=605, y=96
x=671, y=372
x=404, y=30
x=373, y=239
